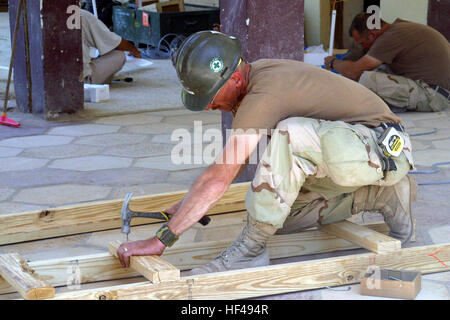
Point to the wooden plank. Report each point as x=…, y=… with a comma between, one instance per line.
x=363, y=236
x=276, y=279
x=100, y=215
x=24, y=279
x=154, y=268
x=103, y=266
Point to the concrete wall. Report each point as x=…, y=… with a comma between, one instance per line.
x=351, y=9
x=317, y=30
x=412, y=10
x=312, y=22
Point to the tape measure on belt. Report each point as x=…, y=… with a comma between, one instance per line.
x=391, y=143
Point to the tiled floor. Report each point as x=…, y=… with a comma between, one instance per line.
x=51, y=164
x=93, y=160
x=70, y=163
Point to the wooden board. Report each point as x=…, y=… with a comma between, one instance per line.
x=362, y=236
x=19, y=275
x=276, y=279
x=103, y=266
x=103, y=215
x=154, y=268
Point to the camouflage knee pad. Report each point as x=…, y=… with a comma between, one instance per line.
x=302, y=149
x=352, y=155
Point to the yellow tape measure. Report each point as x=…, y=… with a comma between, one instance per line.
x=391, y=142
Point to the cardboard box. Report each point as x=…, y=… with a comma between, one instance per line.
x=400, y=284
x=96, y=92
x=316, y=59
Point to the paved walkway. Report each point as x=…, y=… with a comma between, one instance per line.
x=49, y=164
x=46, y=164
x=52, y=164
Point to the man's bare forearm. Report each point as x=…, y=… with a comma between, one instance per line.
x=214, y=182
x=347, y=69
x=125, y=45
x=203, y=195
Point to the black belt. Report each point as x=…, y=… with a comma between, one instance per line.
x=441, y=91
x=396, y=126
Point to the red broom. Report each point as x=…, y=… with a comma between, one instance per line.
x=4, y=120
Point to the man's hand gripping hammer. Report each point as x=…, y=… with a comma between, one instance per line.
x=128, y=214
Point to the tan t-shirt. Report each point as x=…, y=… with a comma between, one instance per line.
x=95, y=35
x=280, y=89
x=414, y=51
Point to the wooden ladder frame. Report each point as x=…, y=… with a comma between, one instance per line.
x=16, y=271
x=165, y=282
x=273, y=279
x=37, y=280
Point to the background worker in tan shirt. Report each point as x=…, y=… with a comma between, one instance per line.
x=321, y=166
x=418, y=61
x=110, y=46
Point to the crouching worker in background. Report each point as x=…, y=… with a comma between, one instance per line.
x=407, y=64
x=103, y=50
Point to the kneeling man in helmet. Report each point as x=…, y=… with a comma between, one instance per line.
x=325, y=160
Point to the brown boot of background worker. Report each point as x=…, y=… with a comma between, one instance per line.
x=393, y=202
x=247, y=251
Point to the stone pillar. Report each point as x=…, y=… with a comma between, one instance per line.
x=56, y=62
x=439, y=16
x=266, y=29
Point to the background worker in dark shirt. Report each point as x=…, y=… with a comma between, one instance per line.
x=418, y=61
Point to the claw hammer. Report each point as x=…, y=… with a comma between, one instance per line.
x=128, y=214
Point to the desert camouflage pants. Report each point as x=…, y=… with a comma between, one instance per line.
x=404, y=93
x=310, y=169
x=105, y=67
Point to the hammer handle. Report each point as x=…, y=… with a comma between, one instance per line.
x=164, y=216
x=204, y=221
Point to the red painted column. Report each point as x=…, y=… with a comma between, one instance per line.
x=56, y=62
x=267, y=29
x=439, y=16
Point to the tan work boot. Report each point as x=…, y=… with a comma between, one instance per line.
x=393, y=202
x=247, y=251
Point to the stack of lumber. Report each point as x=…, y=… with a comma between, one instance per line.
x=161, y=277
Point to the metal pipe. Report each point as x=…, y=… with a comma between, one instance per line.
x=333, y=26
x=27, y=56
x=94, y=7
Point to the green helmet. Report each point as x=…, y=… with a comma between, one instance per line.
x=204, y=62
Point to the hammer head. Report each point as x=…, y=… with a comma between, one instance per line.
x=126, y=214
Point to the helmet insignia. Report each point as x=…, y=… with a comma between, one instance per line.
x=216, y=65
